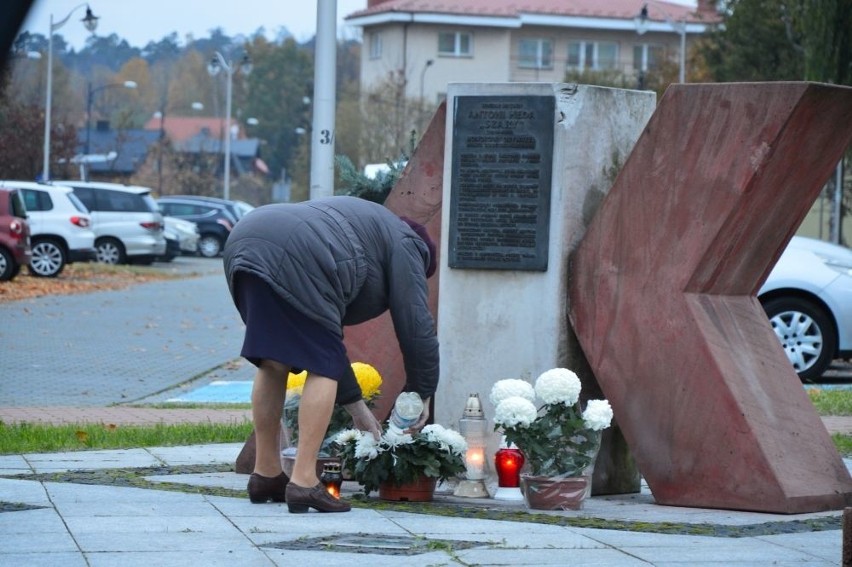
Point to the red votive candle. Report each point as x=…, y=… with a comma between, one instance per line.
x=508, y=463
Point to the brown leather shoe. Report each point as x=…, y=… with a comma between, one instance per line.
x=299, y=499
x=262, y=489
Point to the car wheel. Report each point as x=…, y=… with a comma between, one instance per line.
x=110, y=251
x=209, y=246
x=806, y=332
x=8, y=268
x=48, y=259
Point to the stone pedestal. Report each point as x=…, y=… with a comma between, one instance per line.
x=503, y=309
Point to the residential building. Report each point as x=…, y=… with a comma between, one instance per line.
x=425, y=44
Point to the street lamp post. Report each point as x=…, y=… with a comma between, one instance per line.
x=89, y=97
x=216, y=64
x=429, y=63
x=91, y=22
x=641, y=22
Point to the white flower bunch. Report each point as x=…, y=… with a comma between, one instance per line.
x=509, y=388
x=598, y=415
x=391, y=439
x=448, y=439
x=367, y=447
x=560, y=438
x=347, y=435
x=558, y=386
x=515, y=411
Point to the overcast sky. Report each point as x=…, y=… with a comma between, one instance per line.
x=141, y=21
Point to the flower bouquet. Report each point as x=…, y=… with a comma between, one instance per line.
x=368, y=379
x=559, y=440
x=397, y=459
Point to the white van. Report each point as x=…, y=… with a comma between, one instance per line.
x=127, y=223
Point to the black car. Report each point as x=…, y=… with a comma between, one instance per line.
x=214, y=220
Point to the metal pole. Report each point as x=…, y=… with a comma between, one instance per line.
x=88, y=119
x=322, y=135
x=45, y=171
x=682, y=52
x=229, y=69
x=838, y=201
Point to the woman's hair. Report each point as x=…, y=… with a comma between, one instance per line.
x=424, y=235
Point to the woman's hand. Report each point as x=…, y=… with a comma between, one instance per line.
x=424, y=417
x=363, y=418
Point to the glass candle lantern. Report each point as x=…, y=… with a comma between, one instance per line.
x=332, y=478
x=508, y=463
x=473, y=427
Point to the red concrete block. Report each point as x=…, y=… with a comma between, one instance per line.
x=663, y=296
x=417, y=195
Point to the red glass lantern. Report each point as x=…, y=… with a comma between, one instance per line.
x=508, y=463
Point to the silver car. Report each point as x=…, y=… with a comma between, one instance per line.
x=808, y=299
x=127, y=223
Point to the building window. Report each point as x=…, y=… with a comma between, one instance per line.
x=535, y=54
x=375, y=45
x=596, y=55
x=455, y=44
x=647, y=57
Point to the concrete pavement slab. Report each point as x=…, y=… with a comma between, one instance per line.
x=88, y=460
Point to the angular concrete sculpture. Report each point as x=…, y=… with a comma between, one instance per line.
x=663, y=296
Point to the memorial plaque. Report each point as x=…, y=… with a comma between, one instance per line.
x=500, y=190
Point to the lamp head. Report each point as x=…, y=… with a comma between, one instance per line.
x=246, y=65
x=90, y=21
x=214, y=66
x=641, y=21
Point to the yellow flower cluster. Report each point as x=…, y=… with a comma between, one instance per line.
x=368, y=378
x=295, y=383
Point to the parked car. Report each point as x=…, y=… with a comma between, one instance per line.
x=238, y=209
x=808, y=299
x=214, y=220
x=181, y=238
x=14, y=233
x=60, y=227
x=127, y=223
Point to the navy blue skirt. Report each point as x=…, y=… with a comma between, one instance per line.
x=277, y=331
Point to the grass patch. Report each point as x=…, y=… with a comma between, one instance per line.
x=41, y=438
x=831, y=402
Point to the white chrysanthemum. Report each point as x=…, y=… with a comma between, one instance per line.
x=558, y=386
x=392, y=439
x=598, y=415
x=347, y=435
x=510, y=387
x=515, y=411
x=367, y=448
x=449, y=440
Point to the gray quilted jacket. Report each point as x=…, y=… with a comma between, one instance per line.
x=342, y=261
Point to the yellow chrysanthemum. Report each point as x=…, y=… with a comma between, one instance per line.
x=295, y=383
x=368, y=378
